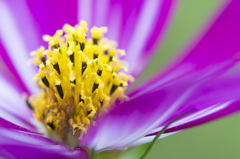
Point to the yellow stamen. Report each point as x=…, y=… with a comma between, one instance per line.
x=79, y=78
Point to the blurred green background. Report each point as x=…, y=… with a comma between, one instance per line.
x=216, y=140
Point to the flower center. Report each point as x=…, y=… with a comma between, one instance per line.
x=79, y=78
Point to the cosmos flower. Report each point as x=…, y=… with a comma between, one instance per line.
x=201, y=80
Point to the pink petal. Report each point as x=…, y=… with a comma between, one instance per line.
x=149, y=30
x=135, y=118
x=52, y=15
x=17, y=144
x=213, y=100
x=217, y=98
x=10, y=72
x=128, y=122
x=221, y=41
x=25, y=23
x=14, y=51
x=220, y=44
x=13, y=107
x=10, y=126
x=217, y=51
x=210, y=100
x=136, y=25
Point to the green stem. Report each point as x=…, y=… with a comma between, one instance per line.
x=92, y=154
x=160, y=133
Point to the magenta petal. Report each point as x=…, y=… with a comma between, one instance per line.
x=220, y=97
x=128, y=122
x=206, y=115
x=25, y=23
x=9, y=108
x=199, y=76
x=15, y=47
x=52, y=15
x=10, y=126
x=212, y=100
x=46, y=152
x=10, y=72
x=16, y=144
x=144, y=40
x=221, y=43
x=135, y=118
x=137, y=25
x=18, y=118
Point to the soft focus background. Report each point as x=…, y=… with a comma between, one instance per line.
x=216, y=140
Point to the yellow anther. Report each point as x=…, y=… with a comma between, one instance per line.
x=71, y=46
x=38, y=56
x=80, y=77
x=70, y=66
x=67, y=28
x=38, y=53
x=83, y=24
x=69, y=38
x=58, y=33
x=100, y=67
x=46, y=52
x=69, y=52
x=97, y=33
x=96, y=49
x=47, y=38
x=81, y=37
x=112, y=52
x=72, y=74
